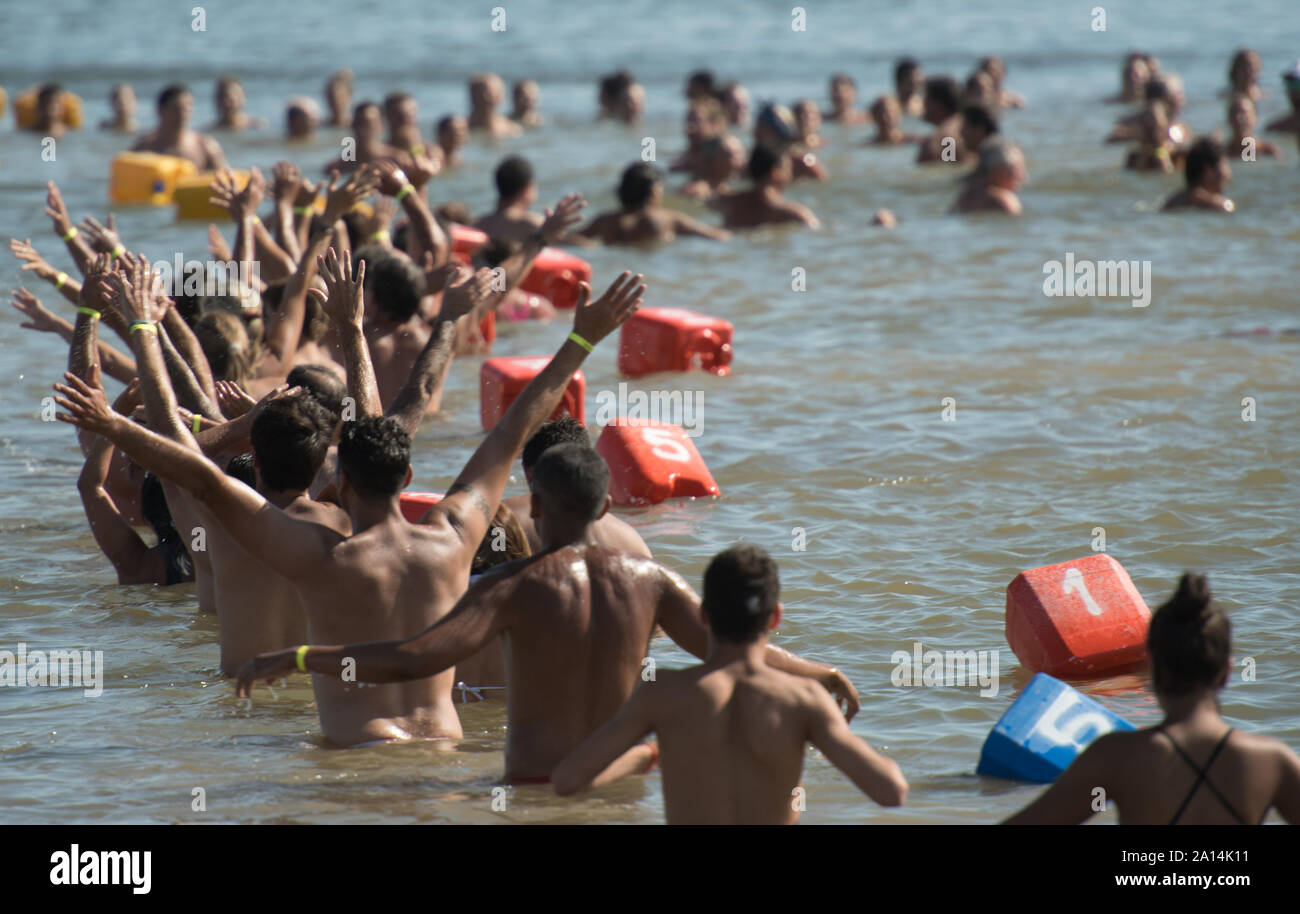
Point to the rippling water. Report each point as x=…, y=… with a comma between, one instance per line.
x=1071, y=413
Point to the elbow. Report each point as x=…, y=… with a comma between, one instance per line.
x=565, y=784
x=896, y=795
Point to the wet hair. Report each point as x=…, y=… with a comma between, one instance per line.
x=565, y=430
x=397, y=284
x=741, y=590
x=494, y=252
x=1204, y=155
x=322, y=385
x=905, y=67
x=290, y=437
x=1190, y=639
x=393, y=99
x=444, y=123
x=375, y=453
x=513, y=538
x=513, y=176
x=945, y=92
x=173, y=91
x=571, y=480
x=700, y=83
x=241, y=467
x=638, y=184
x=224, y=340
x=980, y=116
x=761, y=162
x=153, y=507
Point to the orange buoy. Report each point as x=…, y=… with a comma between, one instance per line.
x=556, y=274
x=649, y=463
x=674, y=339
x=416, y=504
x=1080, y=618
x=503, y=379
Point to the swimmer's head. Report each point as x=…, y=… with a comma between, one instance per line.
x=122, y=98
x=401, y=110
x=506, y=532
x=632, y=105
x=735, y=102
x=1291, y=83
x=514, y=180
x=322, y=385
x=995, y=68
x=228, y=98
x=886, y=113
x=1153, y=125
x=978, y=123
x=1001, y=164
x=1206, y=166
x=1135, y=75
x=1243, y=72
x=243, y=468
x=705, y=119
x=367, y=121
x=641, y=185
x=453, y=132
x=721, y=157
x=807, y=119
x=769, y=166
x=224, y=340
x=486, y=90
x=611, y=90
x=374, y=458
x=844, y=93
x=775, y=126
x=981, y=90
x=742, y=594
x=394, y=286
x=1190, y=640
x=942, y=99
x=290, y=437
x=700, y=84
x=526, y=96
x=301, y=117
x=564, y=430
x=909, y=78
x=175, y=105
x=338, y=94
x=49, y=104
x=1167, y=88
x=570, y=484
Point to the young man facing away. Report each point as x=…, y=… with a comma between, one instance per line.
x=732, y=731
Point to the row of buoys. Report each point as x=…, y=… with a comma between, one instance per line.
x=1082, y=618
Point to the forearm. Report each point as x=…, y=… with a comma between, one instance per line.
x=167, y=459
x=286, y=234
x=184, y=384
x=275, y=262
x=376, y=662
x=362, y=387
x=787, y=662
x=83, y=354
x=191, y=351
x=428, y=374
x=284, y=334
x=155, y=387
x=428, y=235
x=226, y=437
x=115, y=365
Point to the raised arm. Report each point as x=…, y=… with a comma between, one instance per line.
x=63, y=227
x=64, y=284
x=295, y=548
x=345, y=306
x=477, y=618
x=114, y=536
x=115, y=365
x=682, y=621
x=410, y=191
x=558, y=222
x=875, y=775
x=474, y=496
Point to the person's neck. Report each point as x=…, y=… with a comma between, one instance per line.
x=561, y=534
x=371, y=512
x=513, y=205
x=171, y=131
x=723, y=653
x=281, y=498
x=1197, y=707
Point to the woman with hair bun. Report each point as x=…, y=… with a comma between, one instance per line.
x=1193, y=768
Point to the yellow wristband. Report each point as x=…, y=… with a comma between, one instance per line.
x=72, y=233
x=381, y=235
x=301, y=658
x=60, y=280
x=89, y=312
x=118, y=251
x=198, y=422
x=148, y=326
x=581, y=342
x=256, y=220
x=302, y=210
x=406, y=189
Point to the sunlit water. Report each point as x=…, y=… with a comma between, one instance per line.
x=1071, y=413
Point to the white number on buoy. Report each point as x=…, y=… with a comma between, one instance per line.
x=1072, y=732
x=1073, y=583
x=665, y=445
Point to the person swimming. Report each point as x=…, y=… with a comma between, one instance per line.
x=887, y=115
x=1192, y=768
x=909, y=87
x=1154, y=151
x=1207, y=173
x=1134, y=76
x=526, y=98
x=764, y=203
x=1243, y=75
x=721, y=159
x=943, y=111
x=978, y=123
x=1243, y=118
x=775, y=128
x=1289, y=123
x=997, y=177
x=642, y=217
x=844, y=100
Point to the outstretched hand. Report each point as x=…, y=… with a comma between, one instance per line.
x=597, y=320
x=845, y=695
x=55, y=209
x=38, y=318
x=465, y=290
x=345, y=303
x=86, y=406
x=102, y=238
x=233, y=400
x=96, y=292
x=137, y=295
x=269, y=666
x=567, y=214
x=32, y=260
x=341, y=198
x=240, y=203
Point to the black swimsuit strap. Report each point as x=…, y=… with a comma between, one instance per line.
x=1201, y=777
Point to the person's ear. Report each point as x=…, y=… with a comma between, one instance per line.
x=410, y=471
x=775, y=621
x=609, y=500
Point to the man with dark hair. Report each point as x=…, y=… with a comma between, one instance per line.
x=390, y=577
x=642, y=216
x=1207, y=173
x=733, y=730
x=403, y=116
x=173, y=135
x=909, y=86
x=608, y=530
x=512, y=220
x=395, y=330
x=765, y=203
x=943, y=99
x=578, y=618
x=977, y=124
x=322, y=384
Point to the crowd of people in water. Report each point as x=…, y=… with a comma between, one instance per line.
x=265, y=435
